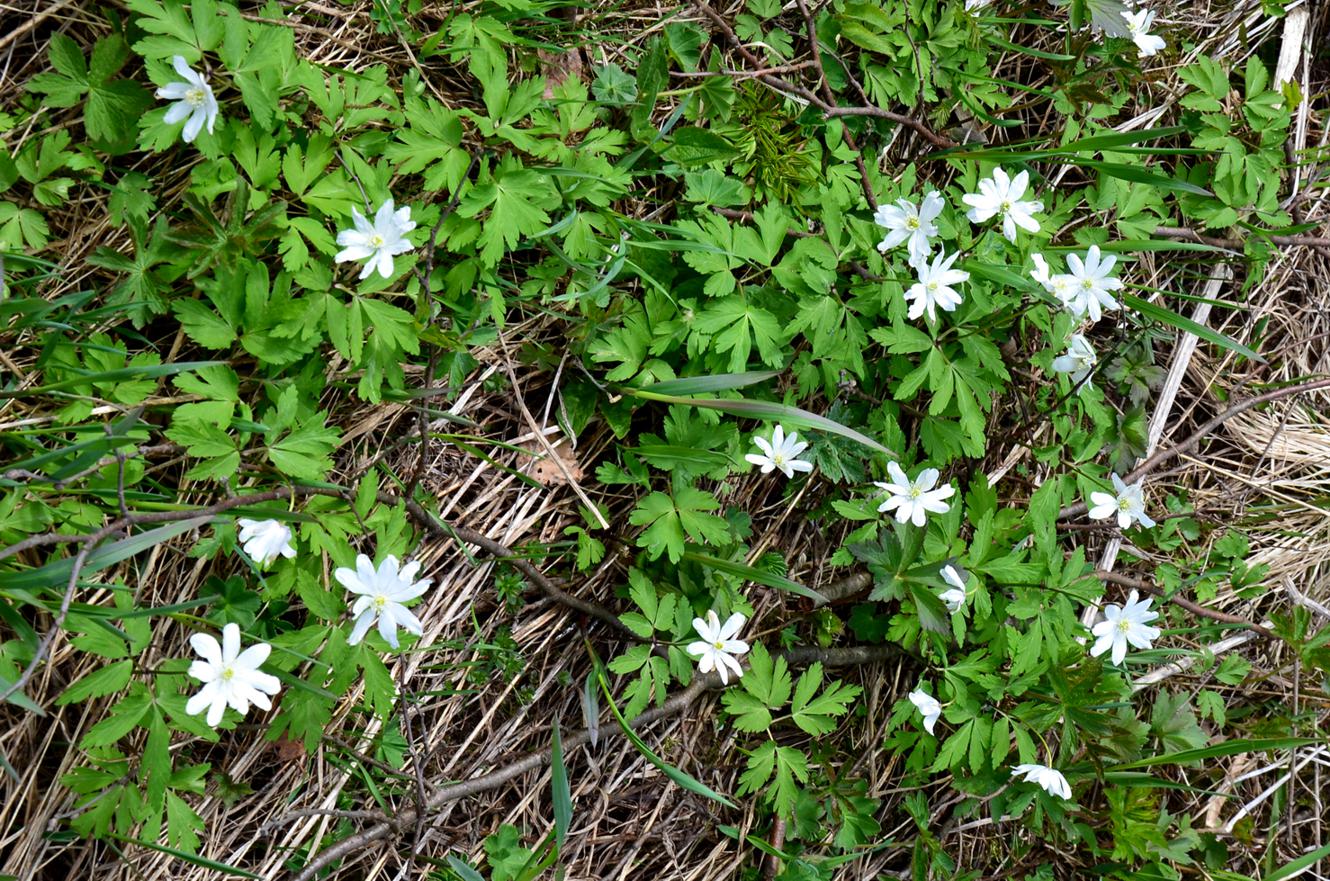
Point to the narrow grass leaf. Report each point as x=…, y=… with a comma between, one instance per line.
x=57, y=573
x=562, y=794
x=782, y=413
x=1227, y=748
x=752, y=573
x=1181, y=322
x=692, y=784
x=192, y=859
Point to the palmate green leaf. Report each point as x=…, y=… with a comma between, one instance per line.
x=516, y=200
x=669, y=520
x=99, y=683
x=815, y=712
x=737, y=325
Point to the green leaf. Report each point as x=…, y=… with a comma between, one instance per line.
x=762, y=410
x=57, y=574
x=99, y=683
x=752, y=573
x=559, y=789
x=689, y=783
x=813, y=712
x=1235, y=746
x=1168, y=316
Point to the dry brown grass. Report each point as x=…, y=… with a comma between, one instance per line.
x=1268, y=471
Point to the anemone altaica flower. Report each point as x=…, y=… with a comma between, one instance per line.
x=194, y=101
x=265, y=540
x=955, y=595
x=378, y=242
x=781, y=453
x=383, y=594
x=934, y=289
x=927, y=706
x=1079, y=360
x=1000, y=196
x=1123, y=625
x=910, y=224
x=1138, y=28
x=1049, y=779
x=1089, y=288
x=1127, y=503
x=718, y=649
x=914, y=500
x=230, y=677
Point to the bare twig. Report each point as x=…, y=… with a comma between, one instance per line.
x=1234, y=244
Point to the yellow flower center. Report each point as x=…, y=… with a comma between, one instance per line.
x=1087, y=283
x=228, y=673
x=376, y=241
x=194, y=97
x=1123, y=625
x=915, y=492
x=1124, y=504
x=718, y=644
x=778, y=459
x=912, y=223
x=379, y=602
x=932, y=286
x=1006, y=205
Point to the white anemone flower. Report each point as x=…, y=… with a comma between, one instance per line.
x=780, y=453
x=1079, y=360
x=954, y=596
x=194, y=101
x=378, y=242
x=906, y=223
x=1050, y=779
x=718, y=648
x=265, y=540
x=972, y=5
x=1000, y=196
x=1090, y=291
x=928, y=707
x=914, y=499
x=1127, y=503
x=1138, y=28
x=383, y=594
x=1059, y=285
x=934, y=288
x=230, y=677
x=1123, y=625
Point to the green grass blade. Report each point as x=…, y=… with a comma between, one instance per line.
x=201, y=862
x=1306, y=861
x=692, y=784
x=144, y=371
x=1227, y=748
x=57, y=574
x=562, y=794
x=701, y=385
x=463, y=869
x=766, y=410
x=751, y=573
x=1181, y=322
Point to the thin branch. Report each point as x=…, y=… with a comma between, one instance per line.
x=1235, y=244
x=1168, y=453
x=1179, y=600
